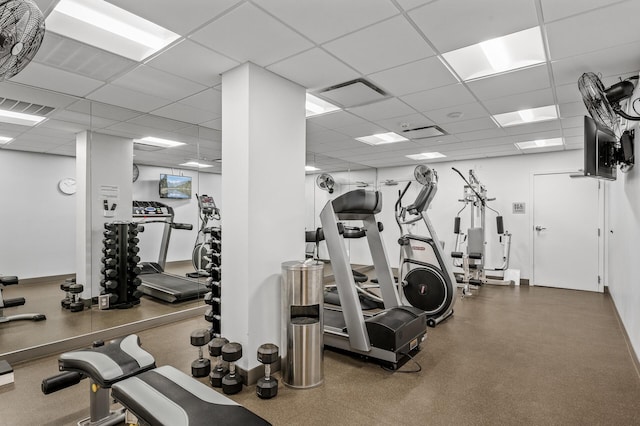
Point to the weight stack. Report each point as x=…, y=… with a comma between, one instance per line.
x=213, y=244
x=120, y=269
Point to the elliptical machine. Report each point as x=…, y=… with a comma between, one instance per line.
x=199, y=257
x=472, y=261
x=424, y=285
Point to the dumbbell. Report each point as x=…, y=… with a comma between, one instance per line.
x=67, y=295
x=109, y=284
x=267, y=386
x=201, y=366
x=231, y=382
x=76, y=305
x=220, y=370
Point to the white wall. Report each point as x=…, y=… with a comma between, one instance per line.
x=37, y=221
x=508, y=179
x=623, y=231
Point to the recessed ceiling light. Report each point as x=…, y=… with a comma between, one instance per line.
x=311, y=169
x=108, y=27
x=540, y=143
x=382, y=138
x=163, y=143
x=4, y=140
x=20, y=118
x=501, y=54
x=524, y=116
x=196, y=164
x=426, y=156
x=316, y=106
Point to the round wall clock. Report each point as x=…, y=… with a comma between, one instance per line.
x=136, y=172
x=67, y=186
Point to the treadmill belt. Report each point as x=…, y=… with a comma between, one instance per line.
x=171, y=288
x=334, y=319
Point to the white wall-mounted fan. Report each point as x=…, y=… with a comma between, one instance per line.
x=21, y=34
x=604, y=106
x=325, y=182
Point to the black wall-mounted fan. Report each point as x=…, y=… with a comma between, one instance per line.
x=21, y=34
x=604, y=107
x=325, y=182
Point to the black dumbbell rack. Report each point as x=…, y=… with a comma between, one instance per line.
x=213, y=242
x=120, y=265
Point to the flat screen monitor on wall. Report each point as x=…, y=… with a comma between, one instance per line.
x=599, y=151
x=172, y=186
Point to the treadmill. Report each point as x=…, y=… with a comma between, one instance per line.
x=389, y=335
x=155, y=281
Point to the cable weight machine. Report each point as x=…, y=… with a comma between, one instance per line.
x=472, y=260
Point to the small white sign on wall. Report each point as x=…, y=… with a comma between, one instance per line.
x=519, y=208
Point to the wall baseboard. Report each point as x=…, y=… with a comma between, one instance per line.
x=627, y=340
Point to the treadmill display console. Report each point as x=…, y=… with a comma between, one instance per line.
x=149, y=208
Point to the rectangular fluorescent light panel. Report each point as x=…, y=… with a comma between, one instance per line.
x=196, y=164
x=382, y=138
x=501, y=54
x=540, y=143
x=4, y=140
x=316, y=106
x=108, y=27
x=310, y=169
x=20, y=118
x=525, y=116
x=426, y=156
x=162, y=143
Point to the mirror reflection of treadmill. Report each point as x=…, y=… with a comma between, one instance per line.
x=155, y=281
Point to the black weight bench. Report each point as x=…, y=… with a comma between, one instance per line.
x=155, y=396
x=18, y=301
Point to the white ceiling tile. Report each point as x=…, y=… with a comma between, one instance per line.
x=127, y=98
x=363, y=129
x=414, y=77
x=314, y=69
x=410, y=4
x=441, y=97
x=313, y=127
x=573, y=122
x=568, y=92
x=572, y=131
x=615, y=61
x=336, y=119
x=520, y=101
x=213, y=124
x=595, y=30
x=34, y=95
x=76, y=57
x=481, y=134
x=178, y=111
x=208, y=100
x=159, y=123
x=249, y=34
x=57, y=80
x=543, y=134
x=178, y=16
x=154, y=82
x=388, y=108
x=44, y=5
x=573, y=109
x=327, y=19
x=575, y=141
x=326, y=137
x=377, y=47
x=86, y=120
x=98, y=109
x=511, y=83
x=399, y=124
x=457, y=113
x=469, y=125
x=65, y=126
x=558, y=9
x=454, y=24
x=194, y=62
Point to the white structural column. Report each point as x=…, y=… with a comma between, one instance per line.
x=104, y=172
x=263, y=193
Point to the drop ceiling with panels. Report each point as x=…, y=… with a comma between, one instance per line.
x=396, y=45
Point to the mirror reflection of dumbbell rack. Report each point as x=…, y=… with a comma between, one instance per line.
x=119, y=285
x=213, y=247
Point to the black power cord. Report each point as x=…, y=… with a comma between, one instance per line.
x=417, y=370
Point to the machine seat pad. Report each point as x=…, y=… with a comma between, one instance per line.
x=111, y=363
x=475, y=255
x=166, y=396
x=8, y=280
x=457, y=254
x=358, y=201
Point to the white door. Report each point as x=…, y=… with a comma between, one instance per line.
x=566, y=242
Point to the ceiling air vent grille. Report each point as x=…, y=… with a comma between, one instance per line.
x=24, y=107
x=423, y=132
x=353, y=93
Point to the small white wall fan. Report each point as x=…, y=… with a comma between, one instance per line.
x=325, y=182
x=21, y=34
x=604, y=106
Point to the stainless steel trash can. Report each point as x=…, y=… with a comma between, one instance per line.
x=302, y=325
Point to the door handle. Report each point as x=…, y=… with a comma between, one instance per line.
x=540, y=228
